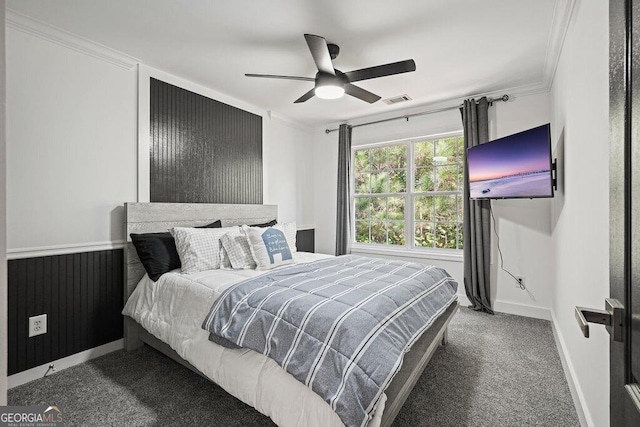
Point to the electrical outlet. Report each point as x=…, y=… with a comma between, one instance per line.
x=520, y=283
x=37, y=325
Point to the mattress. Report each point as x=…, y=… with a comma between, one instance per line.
x=173, y=308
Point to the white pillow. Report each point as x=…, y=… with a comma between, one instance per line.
x=269, y=246
x=236, y=246
x=290, y=231
x=199, y=248
x=225, y=262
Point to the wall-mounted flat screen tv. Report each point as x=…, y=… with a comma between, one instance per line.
x=516, y=166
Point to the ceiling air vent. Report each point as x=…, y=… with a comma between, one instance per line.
x=396, y=99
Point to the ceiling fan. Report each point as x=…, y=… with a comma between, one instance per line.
x=331, y=83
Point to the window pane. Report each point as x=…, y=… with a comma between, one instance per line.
x=446, y=235
x=362, y=205
x=363, y=183
x=424, y=236
x=362, y=231
x=398, y=156
x=397, y=181
x=460, y=207
x=436, y=220
x=423, y=153
x=395, y=208
x=378, y=159
x=447, y=178
x=361, y=161
x=396, y=233
x=380, y=182
x=445, y=208
x=447, y=148
x=460, y=236
x=424, y=208
x=378, y=208
x=424, y=179
x=378, y=232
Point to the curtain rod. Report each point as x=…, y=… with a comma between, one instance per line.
x=503, y=98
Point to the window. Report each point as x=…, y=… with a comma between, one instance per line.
x=409, y=194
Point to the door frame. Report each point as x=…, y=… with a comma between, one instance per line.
x=623, y=157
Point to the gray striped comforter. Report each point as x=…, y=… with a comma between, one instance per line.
x=341, y=326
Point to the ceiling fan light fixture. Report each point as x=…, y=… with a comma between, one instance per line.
x=331, y=91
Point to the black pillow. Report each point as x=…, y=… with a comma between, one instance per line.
x=214, y=224
x=158, y=253
x=266, y=224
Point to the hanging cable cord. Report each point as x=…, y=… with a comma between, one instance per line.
x=518, y=282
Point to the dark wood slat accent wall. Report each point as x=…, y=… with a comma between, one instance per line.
x=306, y=240
x=80, y=293
x=202, y=150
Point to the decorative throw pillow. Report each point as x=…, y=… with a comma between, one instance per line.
x=290, y=231
x=236, y=246
x=225, y=262
x=269, y=246
x=157, y=251
x=199, y=249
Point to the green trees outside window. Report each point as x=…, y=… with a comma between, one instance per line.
x=410, y=193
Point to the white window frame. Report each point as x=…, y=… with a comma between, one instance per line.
x=408, y=249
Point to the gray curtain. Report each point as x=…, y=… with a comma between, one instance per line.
x=343, y=218
x=477, y=215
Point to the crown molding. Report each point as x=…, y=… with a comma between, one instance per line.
x=562, y=14
x=48, y=32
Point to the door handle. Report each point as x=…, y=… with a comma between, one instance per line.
x=612, y=317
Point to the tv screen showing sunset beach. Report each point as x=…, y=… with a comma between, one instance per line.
x=514, y=166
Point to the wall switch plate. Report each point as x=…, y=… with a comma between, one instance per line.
x=37, y=325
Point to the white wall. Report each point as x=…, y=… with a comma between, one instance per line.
x=289, y=168
x=523, y=225
x=580, y=219
x=71, y=152
x=3, y=228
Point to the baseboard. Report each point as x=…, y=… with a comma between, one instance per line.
x=525, y=310
x=570, y=374
x=513, y=308
x=64, y=363
x=464, y=301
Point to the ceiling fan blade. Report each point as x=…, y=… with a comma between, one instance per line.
x=320, y=52
x=360, y=93
x=273, y=76
x=305, y=97
x=382, y=70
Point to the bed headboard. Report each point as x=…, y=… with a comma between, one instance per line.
x=157, y=217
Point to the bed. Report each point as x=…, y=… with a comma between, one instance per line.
x=155, y=316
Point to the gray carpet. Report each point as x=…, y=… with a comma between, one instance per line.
x=497, y=370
